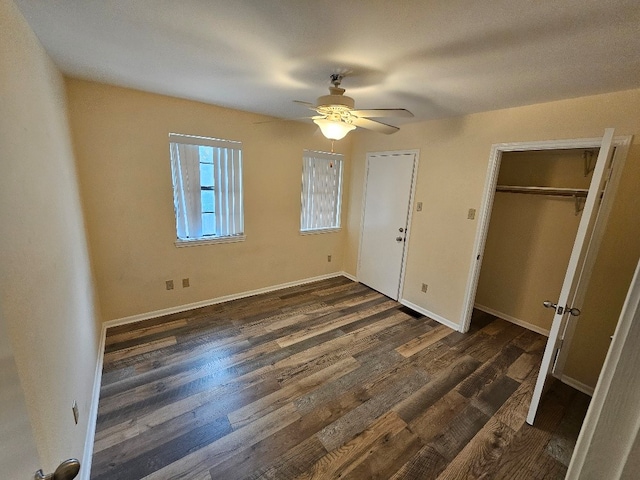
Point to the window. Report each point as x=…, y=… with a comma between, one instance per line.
x=207, y=189
x=321, y=191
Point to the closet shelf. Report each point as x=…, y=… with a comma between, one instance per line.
x=555, y=191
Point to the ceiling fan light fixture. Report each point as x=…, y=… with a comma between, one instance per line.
x=333, y=129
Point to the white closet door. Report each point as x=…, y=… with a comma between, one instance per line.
x=572, y=285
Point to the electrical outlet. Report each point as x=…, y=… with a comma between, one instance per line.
x=328, y=258
x=472, y=214
x=424, y=288
x=419, y=207
x=185, y=282
x=169, y=284
x=76, y=413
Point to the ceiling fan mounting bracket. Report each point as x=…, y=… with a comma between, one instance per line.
x=336, y=79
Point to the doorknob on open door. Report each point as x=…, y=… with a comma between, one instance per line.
x=67, y=470
x=572, y=311
x=399, y=239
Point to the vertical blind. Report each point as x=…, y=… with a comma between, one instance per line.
x=321, y=190
x=207, y=187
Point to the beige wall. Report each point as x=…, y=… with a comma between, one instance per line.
x=454, y=155
x=530, y=237
x=45, y=279
x=121, y=141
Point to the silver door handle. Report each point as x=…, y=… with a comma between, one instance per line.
x=67, y=470
x=399, y=239
x=575, y=312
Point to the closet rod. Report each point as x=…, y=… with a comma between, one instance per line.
x=561, y=192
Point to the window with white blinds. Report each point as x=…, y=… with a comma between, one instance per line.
x=207, y=189
x=321, y=191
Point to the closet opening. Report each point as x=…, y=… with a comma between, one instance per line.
x=526, y=239
x=534, y=221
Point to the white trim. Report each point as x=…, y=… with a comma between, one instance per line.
x=613, y=417
x=409, y=229
x=204, y=141
x=206, y=241
x=349, y=276
x=414, y=179
x=434, y=316
x=493, y=168
x=509, y=318
x=572, y=382
x=226, y=298
x=323, y=155
x=317, y=231
x=87, y=456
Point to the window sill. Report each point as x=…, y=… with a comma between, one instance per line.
x=207, y=241
x=320, y=230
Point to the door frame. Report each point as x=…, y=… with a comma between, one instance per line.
x=610, y=427
x=414, y=177
x=621, y=144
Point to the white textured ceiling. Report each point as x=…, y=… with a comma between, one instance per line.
x=435, y=58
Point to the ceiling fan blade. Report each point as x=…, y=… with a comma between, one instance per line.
x=383, y=112
x=374, y=125
x=310, y=105
x=274, y=120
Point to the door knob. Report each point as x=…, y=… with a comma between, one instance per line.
x=572, y=311
x=67, y=470
x=399, y=239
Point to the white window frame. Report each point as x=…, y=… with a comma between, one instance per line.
x=323, y=216
x=228, y=190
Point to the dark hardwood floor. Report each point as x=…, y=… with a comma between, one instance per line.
x=327, y=380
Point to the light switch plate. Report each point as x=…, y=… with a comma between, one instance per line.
x=472, y=214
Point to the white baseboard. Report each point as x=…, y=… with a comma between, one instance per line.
x=349, y=276
x=509, y=318
x=581, y=387
x=429, y=314
x=87, y=457
x=226, y=298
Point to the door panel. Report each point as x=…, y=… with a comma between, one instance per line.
x=387, y=196
x=572, y=285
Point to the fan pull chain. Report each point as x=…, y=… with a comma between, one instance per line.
x=332, y=143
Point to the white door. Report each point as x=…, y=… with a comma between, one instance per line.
x=388, y=189
x=572, y=286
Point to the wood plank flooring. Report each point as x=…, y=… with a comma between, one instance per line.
x=327, y=380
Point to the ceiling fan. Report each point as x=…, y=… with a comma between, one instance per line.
x=337, y=115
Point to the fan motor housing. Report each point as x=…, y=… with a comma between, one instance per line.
x=339, y=99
